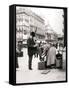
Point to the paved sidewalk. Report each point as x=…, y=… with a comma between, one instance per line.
x=24, y=75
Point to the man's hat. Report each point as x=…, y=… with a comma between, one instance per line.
x=32, y=34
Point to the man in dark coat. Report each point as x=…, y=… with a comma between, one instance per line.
x=17, y=51
x=31, y=48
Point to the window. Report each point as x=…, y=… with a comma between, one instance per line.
x=25, y=32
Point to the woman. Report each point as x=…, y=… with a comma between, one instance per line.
x=51, y=56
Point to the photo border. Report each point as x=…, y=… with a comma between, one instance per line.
x=65, y=38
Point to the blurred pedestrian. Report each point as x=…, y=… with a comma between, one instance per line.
x=40, y=50
x=17, y=54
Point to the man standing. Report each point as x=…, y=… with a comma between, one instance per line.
x=31, y=48
x=17, y=51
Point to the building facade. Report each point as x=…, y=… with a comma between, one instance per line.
x=26, y=22
x=50, y=35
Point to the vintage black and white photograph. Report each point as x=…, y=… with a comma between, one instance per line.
x=40, y=45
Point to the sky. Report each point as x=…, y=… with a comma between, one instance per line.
x=53, y=17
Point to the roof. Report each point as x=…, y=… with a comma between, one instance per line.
x=30, y=13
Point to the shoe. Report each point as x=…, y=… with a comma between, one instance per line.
x=48, y=67
x=30, y=68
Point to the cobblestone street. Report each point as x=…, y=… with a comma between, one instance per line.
x=24, y=75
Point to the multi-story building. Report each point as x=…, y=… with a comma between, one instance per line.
x=61, y=39
x=27, y=21
x=50, y=35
